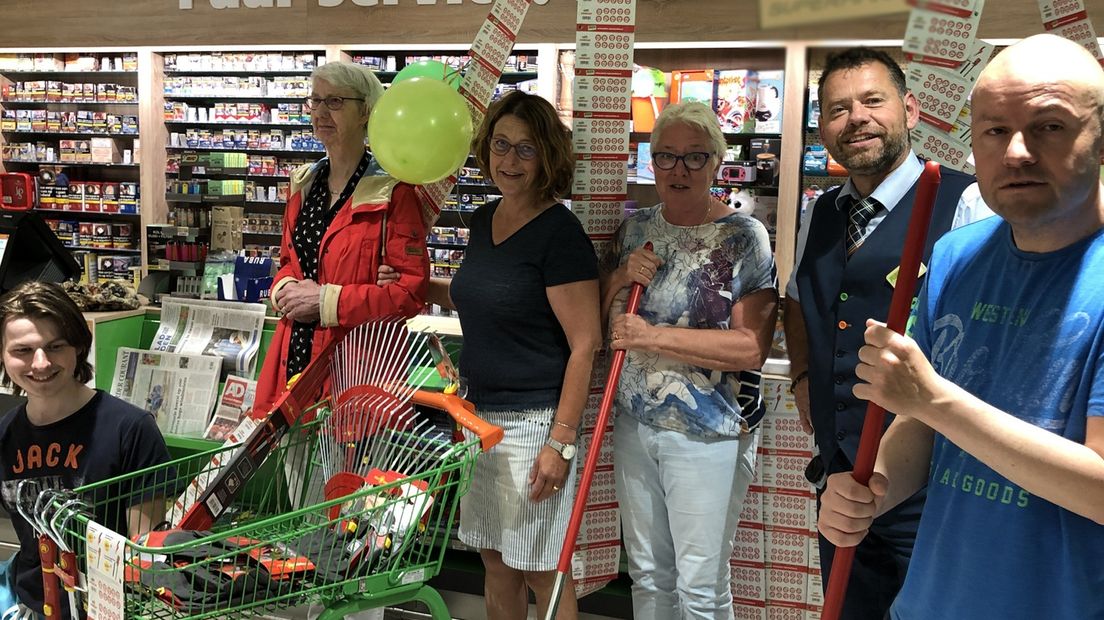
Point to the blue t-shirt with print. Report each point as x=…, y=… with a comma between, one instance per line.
x=1025, y=333
x=706, y=270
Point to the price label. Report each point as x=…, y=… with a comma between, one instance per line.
x=587, y=136
x=105, y=564
x=606, y=12
x=604, y=50
x=941, y=147
x=941, y=35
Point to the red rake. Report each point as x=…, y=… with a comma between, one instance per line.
x=612, y=380
x=899, y=307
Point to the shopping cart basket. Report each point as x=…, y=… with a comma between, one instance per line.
x=351, y=508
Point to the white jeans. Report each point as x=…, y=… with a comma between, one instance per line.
x=680, y=498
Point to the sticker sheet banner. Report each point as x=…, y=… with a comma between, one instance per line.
x=599, y=217
x=602, y=93
x=601, y=112
x=942, y=92
x=489, y=50
x=1069, y=19
x=605, y=47
x=592, y=135
x=939, y=146
x=606, y=13
x=599, y=174
x=942, y=32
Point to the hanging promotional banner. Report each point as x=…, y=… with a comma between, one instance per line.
x=601, y=78
x=1068, y=18
x=489, y=50
x=942, y=32
x=945, y=59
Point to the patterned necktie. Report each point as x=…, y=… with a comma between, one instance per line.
x=862, y=211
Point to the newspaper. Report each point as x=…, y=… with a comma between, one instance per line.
x=179, y=390
x=236, y=401
x=230, y=330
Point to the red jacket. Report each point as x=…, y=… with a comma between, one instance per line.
x=348, y=258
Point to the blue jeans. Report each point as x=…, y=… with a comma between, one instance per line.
x=680, y=500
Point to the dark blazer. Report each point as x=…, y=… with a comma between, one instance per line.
x=838, y=295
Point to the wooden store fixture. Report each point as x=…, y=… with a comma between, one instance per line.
x=670, y=34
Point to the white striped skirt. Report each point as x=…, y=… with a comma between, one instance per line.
x=497, y=513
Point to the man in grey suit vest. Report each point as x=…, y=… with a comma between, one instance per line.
x=848, y=247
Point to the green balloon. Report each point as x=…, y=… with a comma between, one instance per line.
x=420, y=130
x=429, y=69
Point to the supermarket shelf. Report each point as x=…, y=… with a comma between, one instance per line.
x=107, y=250
x=41, y=102
x=239, y=72
x=74, y=134
x=59, y=212
x=229, y=97
x=645, y=136
x=243, y=174
x=236, y=124
x=71, y=73
x=240, y=149
x=206, y=198
x=67, y=163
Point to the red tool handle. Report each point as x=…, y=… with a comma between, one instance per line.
x=612, y=380
x=51, y=586
x=899, y=307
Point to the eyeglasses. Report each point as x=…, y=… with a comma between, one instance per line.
x=334, y=103
x=524, y=150
x=692, y=161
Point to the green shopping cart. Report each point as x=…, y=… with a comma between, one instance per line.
x=348, y=506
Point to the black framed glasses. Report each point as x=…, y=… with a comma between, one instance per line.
x=692, y=161
x=524, y=150
x=334, y=103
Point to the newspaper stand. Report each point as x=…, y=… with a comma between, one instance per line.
x=286, y=539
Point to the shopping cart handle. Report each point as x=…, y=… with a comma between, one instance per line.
x=463, y=412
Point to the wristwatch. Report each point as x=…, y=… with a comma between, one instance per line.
x=566, y=450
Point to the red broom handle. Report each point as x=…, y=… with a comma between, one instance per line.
x=899, y=307
x=612, y=380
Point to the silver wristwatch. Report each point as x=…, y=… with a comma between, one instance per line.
x=566, y=450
